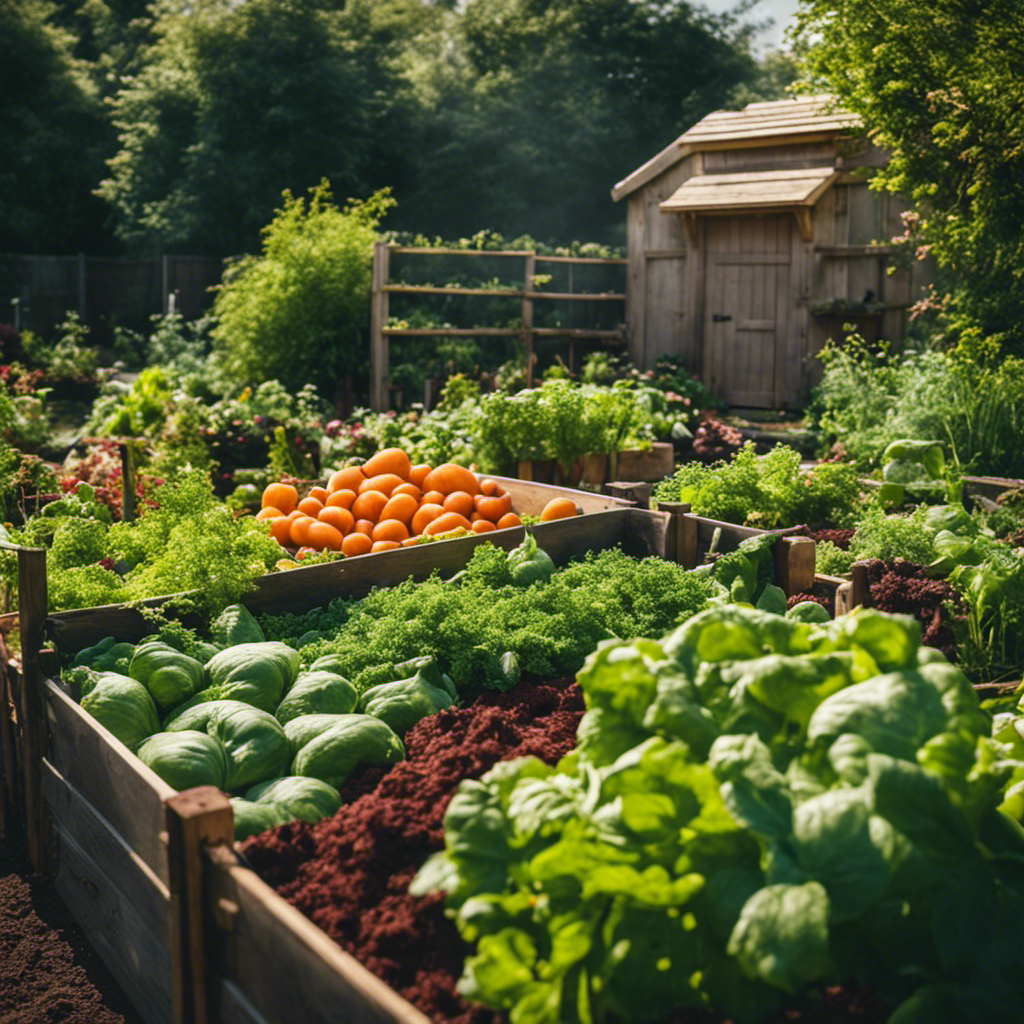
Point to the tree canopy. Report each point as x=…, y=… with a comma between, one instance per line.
x=181, y=122
x=942, y=86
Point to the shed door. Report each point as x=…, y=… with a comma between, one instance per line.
x=747, y=310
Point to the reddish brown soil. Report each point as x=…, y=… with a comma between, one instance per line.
x=48, y=971
x=351, y=873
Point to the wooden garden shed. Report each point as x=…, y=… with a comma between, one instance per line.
x=752, y=239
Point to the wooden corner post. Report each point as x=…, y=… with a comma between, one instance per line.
x=32, y=608
x=681, y=537
x=196, y=819
x=380, y=357
x=794, y=564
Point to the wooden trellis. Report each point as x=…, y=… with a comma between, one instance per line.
x=383, y=288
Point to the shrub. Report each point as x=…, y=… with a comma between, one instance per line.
x=297, y=312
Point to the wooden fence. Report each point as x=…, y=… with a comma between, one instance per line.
x=36, y=292
x=383, y=287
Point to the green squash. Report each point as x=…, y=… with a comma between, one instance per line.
x=304, y=728
x=530, y=563
x=107, y=656
x=252, y=818
x=170, y=676
x=304, y=798
x=235, y=625
x=353, y=740
x=124, y=706
x=259, y=674
x=256, y=745
x=403, y=703
x=186, y=759
x=315, y=692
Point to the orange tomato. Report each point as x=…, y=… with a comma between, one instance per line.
x=449, y=477
x=320, y=493
x=559, y=508
x=384, y=545
x=364, y=526
x=399, y=506
x=492, y=507
x=280, y=529
x=507, y=520
x=356, y=544
x=419, y=473
x=369, y=505
x=482, y=526
x=458, y=501
x=445, y=522
x=488, y=486
x=383, y=482
x=299, y=531
x=322, y=535
x=425, y=515
x=269, y=512
x=388, y=460
x=342, y=498
x=432, y=498
x=346, y=479
x=340, y=518
x=280, y=496
x=311, y=506
x=390, y=529
x=411, y=489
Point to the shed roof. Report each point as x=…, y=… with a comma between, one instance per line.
x=750, y=190
x=808, y=119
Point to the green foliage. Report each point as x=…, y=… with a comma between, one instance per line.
x=940, y=90
x=867, y=400
x=229, y=105
x=145, y=408
x=297, y=312
x=550, y=627
x=53, y=133
x=756, y=807
x=559, y=420
x=188, y=542
x=767, y=491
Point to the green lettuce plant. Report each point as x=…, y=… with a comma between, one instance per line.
x=757, y=807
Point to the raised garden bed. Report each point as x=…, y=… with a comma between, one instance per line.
x=152, y=875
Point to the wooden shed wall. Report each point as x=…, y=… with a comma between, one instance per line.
x=668, y=281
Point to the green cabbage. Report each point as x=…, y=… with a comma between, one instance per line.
x=186, y=759
x=258, y=673
x=353, y=740
x=124, y=706
x=170, y=676
x=304, y=798
x=315, y=692
x=256, y=745
x=252, y=818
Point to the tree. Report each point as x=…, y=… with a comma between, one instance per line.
x=52, y=135
x=942, y=86
x=232, y=104
x=297, y=312
x=542, y=105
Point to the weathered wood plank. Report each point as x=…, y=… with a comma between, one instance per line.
x=121, y=789
x=302, y=589
x=281, y=961
x=137, y=957
x=230, y=1006
x=77, y=820
x=195, y=818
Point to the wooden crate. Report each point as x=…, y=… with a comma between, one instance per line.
x=190, y=933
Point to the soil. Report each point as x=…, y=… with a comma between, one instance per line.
x=48, y=971
x=350, y=874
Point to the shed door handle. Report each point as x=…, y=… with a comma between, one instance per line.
x=720, y=318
